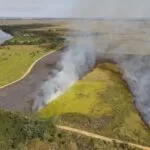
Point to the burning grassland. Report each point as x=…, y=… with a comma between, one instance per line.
x=100, y=102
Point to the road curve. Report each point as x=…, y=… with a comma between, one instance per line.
x=27, y=72
x=93, y=135
x=19, y=95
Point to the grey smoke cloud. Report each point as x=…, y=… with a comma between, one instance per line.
x=136, y=71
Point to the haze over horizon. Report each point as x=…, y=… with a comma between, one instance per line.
x=62, y=8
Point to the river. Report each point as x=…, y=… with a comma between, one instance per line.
x=4, y=36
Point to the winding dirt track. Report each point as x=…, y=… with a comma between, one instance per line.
x=93, y=135
x=19, y=95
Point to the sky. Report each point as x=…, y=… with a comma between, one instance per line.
x=74, y=8
x=35, y=8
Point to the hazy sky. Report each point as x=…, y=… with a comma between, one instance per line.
x=63, y=8
x=35, y=8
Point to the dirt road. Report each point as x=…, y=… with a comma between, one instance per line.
x=92, y=135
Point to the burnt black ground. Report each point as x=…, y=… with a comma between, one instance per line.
x=19, y=96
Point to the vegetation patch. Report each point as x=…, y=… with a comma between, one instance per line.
x=18, y=130
x=36, y=38
x=70, y=141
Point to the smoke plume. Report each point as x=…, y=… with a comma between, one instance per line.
x=81, y=57
x=137, y=74
x=76, y=61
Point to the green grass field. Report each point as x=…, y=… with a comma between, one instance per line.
x=15, y=61
x=102, y=103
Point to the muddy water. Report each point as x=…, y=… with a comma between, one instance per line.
x=4, y=36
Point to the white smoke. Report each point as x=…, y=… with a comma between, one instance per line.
x=137, y=73
x=81, y=58
x=76, y=61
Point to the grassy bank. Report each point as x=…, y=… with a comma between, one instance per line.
x=15, y=60
x=102, y=103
